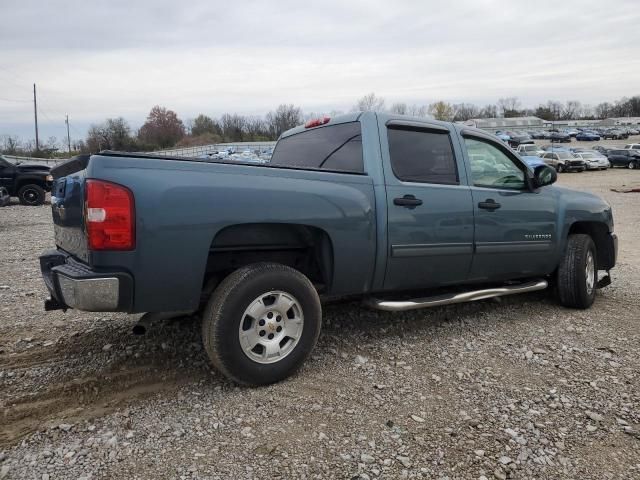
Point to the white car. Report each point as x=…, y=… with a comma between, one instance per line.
x=632, y=146
x=530, y=150
x=593, y=160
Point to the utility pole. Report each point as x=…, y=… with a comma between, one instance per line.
x=35, y=114
x=68, y=137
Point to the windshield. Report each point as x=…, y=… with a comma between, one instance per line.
x=564, y=155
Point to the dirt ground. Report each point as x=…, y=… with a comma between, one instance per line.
x=518, y=388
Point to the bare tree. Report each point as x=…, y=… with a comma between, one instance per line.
x=369, y=103
x=509, y=107
x=571, y=110
x=256, y=129
x=112, y=134
x=603, y=110
x=10, y=144
x=587, y=111
x=284, y=118
x=399, y=109
x=233, y=127
x=488, y=111
x=465, y=111
x=441, y=111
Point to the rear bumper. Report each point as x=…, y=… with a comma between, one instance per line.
x=73, y=284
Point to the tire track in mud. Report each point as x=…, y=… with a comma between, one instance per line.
x=83, y=382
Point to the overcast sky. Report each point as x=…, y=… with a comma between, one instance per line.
x=95, y=60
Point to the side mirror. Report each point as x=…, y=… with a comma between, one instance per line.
x=544, y=175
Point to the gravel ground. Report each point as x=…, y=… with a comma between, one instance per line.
x=519, y=388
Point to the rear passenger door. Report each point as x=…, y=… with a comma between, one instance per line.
x=430, y=213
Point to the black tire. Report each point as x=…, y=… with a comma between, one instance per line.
x=560, y=168
x=222, y=319
x=632, y=165
x=32, y=195
x=573, y=288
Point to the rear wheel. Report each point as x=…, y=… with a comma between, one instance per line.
x=577, y=273
x=560, y=168
x=261, y=323
x=31, y=195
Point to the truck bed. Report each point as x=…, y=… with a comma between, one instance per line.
x=183, y=204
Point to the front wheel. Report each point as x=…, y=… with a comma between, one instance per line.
x=632, y=165
x=261, y=323
x=577, y=273
x=560, y=168
x=32, y=195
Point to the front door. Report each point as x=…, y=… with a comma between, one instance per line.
x=515, y=227
x=430, y=214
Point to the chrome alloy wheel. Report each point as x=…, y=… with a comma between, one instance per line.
x=271, y=327
x=590, y=272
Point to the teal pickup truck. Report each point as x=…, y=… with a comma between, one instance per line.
x=400, y=212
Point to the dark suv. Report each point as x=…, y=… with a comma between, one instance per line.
x=27, y=182
x=623, y=158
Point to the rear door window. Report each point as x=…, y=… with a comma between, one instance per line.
x=335, y=147
x=424, y=156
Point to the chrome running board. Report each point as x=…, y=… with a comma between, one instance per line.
x=448, y=299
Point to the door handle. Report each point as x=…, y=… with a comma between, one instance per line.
x=489, y=204
x=408, y=201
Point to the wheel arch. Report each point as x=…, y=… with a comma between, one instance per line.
x=306, y=248
x=599, y=232
x=22, y=181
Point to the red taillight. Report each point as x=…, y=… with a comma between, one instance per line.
x=109, y=216
x=316, y=122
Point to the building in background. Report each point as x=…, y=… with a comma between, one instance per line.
x=513, y=123
x=620, y=121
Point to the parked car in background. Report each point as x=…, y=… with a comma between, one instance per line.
x=572, y=132
x=540, y=135
x=518, y=138
x=632, y=146
x=564, y=161
x=559, y=137
x=624, y=158
x=587, y=137
x=502, y=136
x=529, y=149
x=30, y=183
x=555, y=148
x=614, y=135
x=603, y=149
x=532, y=161
x=593, y=160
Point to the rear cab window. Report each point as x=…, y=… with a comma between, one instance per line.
x=422, y=155
x=333, y=147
